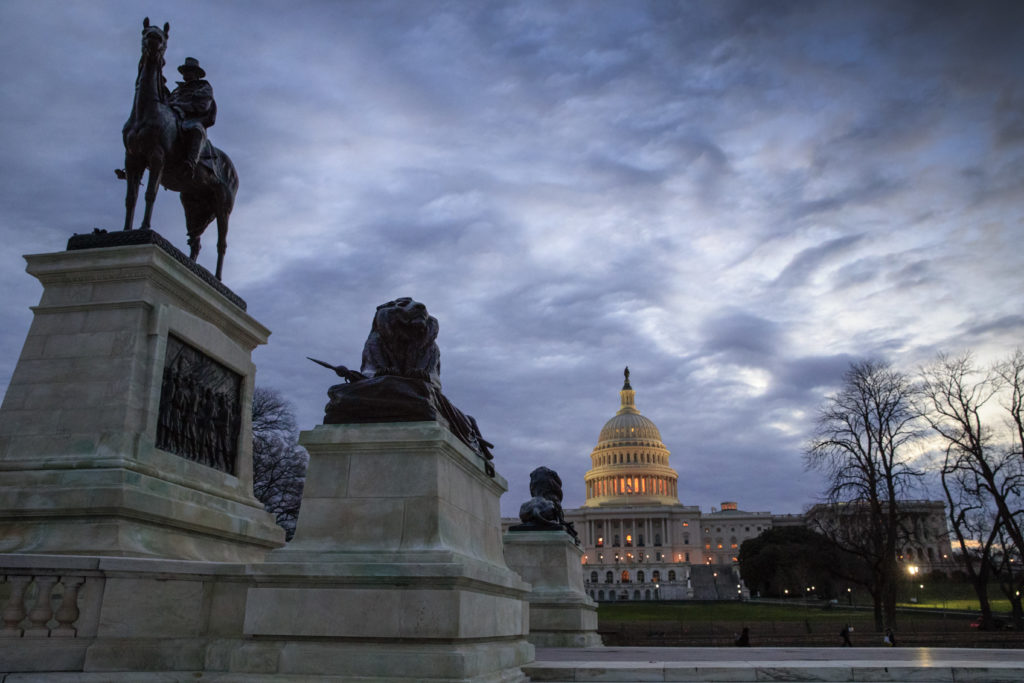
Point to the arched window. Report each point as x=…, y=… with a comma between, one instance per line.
x=636, y=595
x=657, y=540
x=671, y=575
x=656, y=576
x=600, y=595
x=608, y=577
x=593, y=577
x=625, y=576
x=647, y=594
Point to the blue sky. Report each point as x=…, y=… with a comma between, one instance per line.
x=734, y=198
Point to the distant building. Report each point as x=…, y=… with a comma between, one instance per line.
x=641, y=543
x=925, y=544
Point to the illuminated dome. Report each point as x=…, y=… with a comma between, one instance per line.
x=630, y=463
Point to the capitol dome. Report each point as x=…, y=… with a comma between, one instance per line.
x=630, y=463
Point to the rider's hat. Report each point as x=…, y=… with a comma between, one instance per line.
x=192, y=64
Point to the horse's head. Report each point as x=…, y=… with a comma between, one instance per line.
x=154, y=40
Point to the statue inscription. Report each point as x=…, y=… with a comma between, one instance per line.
x=200, y=410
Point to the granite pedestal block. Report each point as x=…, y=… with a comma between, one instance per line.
x=80, y=470
x=396, y=570
x=561, y=613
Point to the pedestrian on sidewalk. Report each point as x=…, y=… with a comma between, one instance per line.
x=845, y=633
x=889, y=639
x=744, y=638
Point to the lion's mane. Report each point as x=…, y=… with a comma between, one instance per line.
x=403, y=342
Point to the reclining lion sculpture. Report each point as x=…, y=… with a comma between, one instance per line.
x=399, y=379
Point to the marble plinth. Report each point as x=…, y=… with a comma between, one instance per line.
x=80, y=471
x=396, y=570
x=561, y=613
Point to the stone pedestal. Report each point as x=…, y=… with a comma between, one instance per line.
x=561, y=613
x=396, y=570
x=80, y=470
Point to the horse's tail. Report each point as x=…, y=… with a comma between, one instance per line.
x=225, y=170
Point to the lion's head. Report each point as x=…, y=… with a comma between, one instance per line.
x=402, y=342
x=545, y=483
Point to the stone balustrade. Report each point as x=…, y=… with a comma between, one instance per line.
x=46, y=603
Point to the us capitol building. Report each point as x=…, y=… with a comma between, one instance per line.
x=641, y=543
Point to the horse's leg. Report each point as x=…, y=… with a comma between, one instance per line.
x=193, y=246
x=133, y=171
x=222, y=239
x=156, y=172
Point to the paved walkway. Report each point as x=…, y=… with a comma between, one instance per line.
x=728, y=665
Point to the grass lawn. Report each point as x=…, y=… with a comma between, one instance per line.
x=760, y=612
x=951, y=595
x=715, y=611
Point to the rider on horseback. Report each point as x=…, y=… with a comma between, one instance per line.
x=193, y=100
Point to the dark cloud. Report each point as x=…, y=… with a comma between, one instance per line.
x=742, y=336
x=734, y=198
x=808, y=261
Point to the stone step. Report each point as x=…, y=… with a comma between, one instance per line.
x=808, y=665
x=630, y=672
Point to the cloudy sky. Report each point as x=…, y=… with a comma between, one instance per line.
x=736, y=199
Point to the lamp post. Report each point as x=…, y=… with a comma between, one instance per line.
x=912, y=570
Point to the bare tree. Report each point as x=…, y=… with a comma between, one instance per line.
x=861, y=443
x=279, y=463
x=983, y=468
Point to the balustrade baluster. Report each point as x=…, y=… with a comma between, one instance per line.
x=14, y=610
x=42, y=611
x=67, y=613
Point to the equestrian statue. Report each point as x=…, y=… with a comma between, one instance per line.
x=166, y=133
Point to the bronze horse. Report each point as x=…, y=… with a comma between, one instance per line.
x=153, y=140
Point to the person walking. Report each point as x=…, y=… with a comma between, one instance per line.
x=845, y=633
x=889, y=639
x=744, y=638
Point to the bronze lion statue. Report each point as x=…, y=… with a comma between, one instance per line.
x=400, y=378
x=543, y=512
